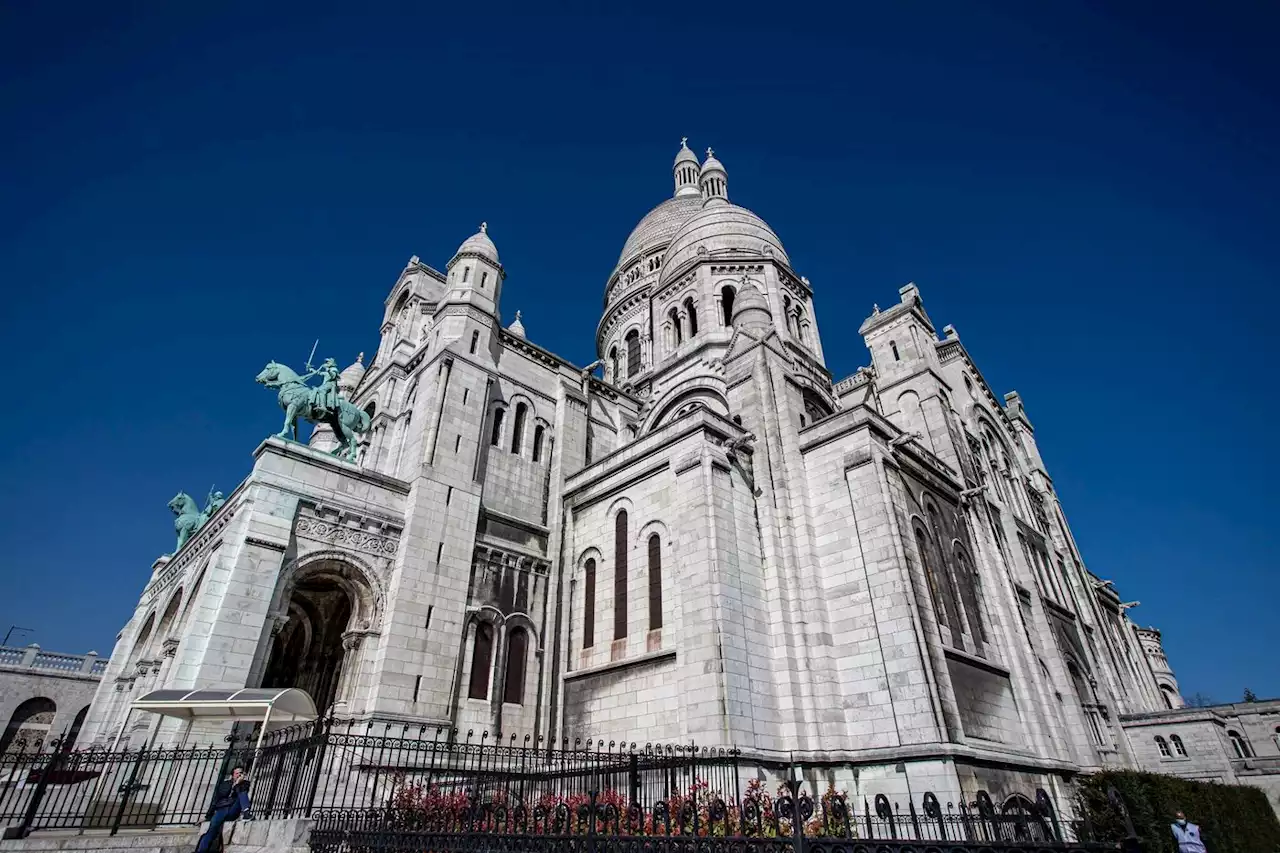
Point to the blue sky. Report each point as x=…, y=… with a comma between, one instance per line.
x=1088, y=191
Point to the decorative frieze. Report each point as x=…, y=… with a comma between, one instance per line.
x=347, y=536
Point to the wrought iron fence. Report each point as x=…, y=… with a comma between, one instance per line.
x=374, y=787
x=698, y=819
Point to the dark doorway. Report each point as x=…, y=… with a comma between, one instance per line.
x=308, y=652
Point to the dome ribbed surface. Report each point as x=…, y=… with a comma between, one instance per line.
x=660, y=224
x=480, y=244
x=725, y=230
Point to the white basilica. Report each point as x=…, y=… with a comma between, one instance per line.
x=701, y=537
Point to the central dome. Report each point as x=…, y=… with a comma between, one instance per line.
x=726, y=231
x=659, y=225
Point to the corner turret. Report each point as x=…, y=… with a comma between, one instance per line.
x=474, y=274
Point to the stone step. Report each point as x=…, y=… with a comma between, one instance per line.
x=136, y=841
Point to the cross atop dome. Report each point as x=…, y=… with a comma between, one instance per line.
x=685, y=170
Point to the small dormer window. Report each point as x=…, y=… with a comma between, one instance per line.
x=484, y=278
x=466, y=274
x=893, y=345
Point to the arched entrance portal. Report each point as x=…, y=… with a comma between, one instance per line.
x=29, y=726
x=322, y=609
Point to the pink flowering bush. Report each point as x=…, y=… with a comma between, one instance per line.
x=695, y=811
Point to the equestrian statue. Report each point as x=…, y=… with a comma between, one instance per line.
x=319, y=405
x=188, y=517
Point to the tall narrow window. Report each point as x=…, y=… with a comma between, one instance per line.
x=484, y=279
x=620, y=576
x=538, y=432
x=517, y=651
x=922, y=545
x=517, y=428
x=481, y=660
x=466, y=274
x=893, y=345
x=726, y=306
x=475, y=341
x=692, y=311
x=497, y=427
x=673, y=317
x=633, y=353
x=655, y=582
x=589, y=604
x=969, y=595
x=613, y=364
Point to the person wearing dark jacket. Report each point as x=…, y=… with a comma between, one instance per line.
x=230, y=802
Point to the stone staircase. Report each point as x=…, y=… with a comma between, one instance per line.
x=260, y=836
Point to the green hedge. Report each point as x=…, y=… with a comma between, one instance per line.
x=1232, y=818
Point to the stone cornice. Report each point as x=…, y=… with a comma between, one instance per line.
x=298, y=451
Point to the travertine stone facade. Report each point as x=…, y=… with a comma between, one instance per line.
x=44, y=696
x=702, y=536
x=1235, y=744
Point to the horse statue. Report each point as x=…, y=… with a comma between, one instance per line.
x=298, y=399
x=189, y=518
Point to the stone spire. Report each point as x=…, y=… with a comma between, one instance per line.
x=714, y=181
x=685, y=170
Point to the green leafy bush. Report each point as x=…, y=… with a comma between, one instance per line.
x=1232, y=818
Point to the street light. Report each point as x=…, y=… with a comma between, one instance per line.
x=9, y=633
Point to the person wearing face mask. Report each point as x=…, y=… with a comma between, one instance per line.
x=1187, y=835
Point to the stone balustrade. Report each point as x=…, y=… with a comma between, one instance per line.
x=32, y=657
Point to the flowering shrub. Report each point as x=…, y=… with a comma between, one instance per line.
x=695, y=811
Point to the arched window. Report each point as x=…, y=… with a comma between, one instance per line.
x=620, y=576
x=517, y=428
x=484, y=278
x=481, y=661
x=655, y=582
x=1178, y=748
x=968, y=580
x=1167, y=693
x=893, y=345
x=1239, y=744
x=538, y=432
x=466, y=274
x=726, y=305
x=589, y=604
x=950, y=595
x=1162, y=746
x=497, y=427
x=677, y=337
x=613, y=363
x=786, y=314
x=692, y=311
x=942, y=606
x=968, y=385
x=517, y=651
x=633, y=353
x=475, y=341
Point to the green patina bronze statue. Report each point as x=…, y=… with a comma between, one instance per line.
x=323, y=405
x=188, y=519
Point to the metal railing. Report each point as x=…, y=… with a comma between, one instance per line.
x=396, y=787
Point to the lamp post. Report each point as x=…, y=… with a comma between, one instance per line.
x=9, y=633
